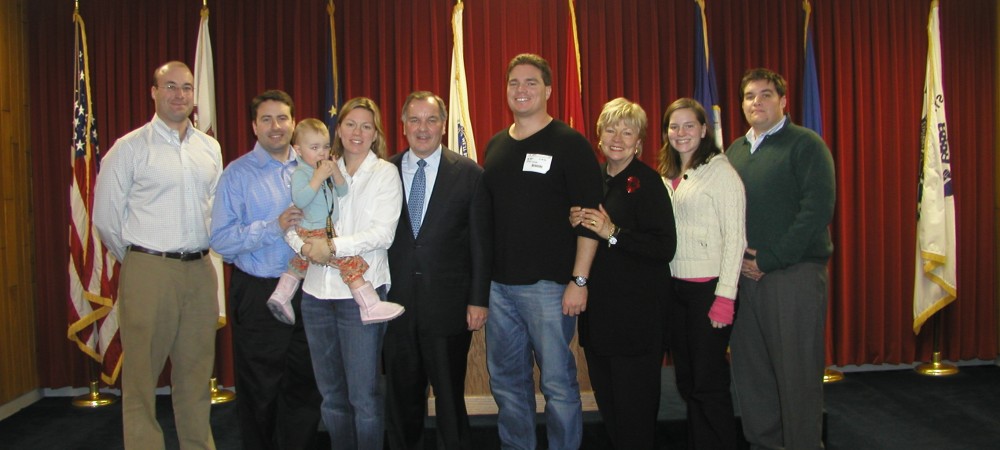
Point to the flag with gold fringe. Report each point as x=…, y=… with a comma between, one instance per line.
x=706, y=90
x=93, y=272
x=936, y=260
x=204, y=120
x=573, y=93
x=461, y=139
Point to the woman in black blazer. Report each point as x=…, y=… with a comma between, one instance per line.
x=623, y=328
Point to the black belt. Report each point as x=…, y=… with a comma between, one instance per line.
x=183, y=256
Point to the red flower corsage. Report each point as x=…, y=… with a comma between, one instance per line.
x=631, y=184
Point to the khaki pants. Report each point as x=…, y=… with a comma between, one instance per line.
x=167, y=308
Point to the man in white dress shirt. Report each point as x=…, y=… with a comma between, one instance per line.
x=152, y=208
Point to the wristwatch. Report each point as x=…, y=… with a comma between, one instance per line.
x=580, y=280
x=613, y=237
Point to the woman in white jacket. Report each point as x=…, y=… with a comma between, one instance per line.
x=345, y=352
x=709, y=208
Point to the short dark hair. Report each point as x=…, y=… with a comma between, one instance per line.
x=424, y=95
x=272, y=95
x=532, y=59
x=761, y=73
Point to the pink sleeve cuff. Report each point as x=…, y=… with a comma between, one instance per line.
x=722, y=310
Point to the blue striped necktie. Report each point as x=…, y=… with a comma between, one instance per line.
x=416, y=203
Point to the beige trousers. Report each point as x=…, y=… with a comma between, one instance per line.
x=167, y=308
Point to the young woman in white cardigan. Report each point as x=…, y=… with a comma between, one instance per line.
x=709, y=208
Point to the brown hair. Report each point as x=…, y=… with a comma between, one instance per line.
x=273, y=95
x=761, y=73
x=378, y=145
x=670, y=159
x=532, y=59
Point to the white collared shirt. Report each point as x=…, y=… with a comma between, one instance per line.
x=409, y=169
x=369, y=214
x=155, y=189
x=755, y=140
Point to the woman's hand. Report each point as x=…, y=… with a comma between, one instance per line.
x=596, y=220
x=318, y=251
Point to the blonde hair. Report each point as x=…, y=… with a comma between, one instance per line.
x=378, y=145
x=622, y=110
x=312, y=126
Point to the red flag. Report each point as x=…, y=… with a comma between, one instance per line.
x=573, y=102
x=93, y=273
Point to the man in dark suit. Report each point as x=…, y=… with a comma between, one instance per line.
x=440, y=265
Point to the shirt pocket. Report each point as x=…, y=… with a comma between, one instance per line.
x=699, y=245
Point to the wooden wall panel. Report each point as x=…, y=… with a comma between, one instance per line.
x=18, y=366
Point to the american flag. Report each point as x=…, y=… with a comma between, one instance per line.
x=93, y=272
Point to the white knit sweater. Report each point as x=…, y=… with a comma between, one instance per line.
x=710, y=210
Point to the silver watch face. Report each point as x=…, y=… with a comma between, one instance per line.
x=580, y=281
x=612, y=240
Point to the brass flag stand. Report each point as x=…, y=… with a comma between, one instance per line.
x=95, y=398
x=218, y=395
x=936, y=368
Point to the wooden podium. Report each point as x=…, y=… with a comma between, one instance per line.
x=478, y=399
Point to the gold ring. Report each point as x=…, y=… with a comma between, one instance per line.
x=593, y=223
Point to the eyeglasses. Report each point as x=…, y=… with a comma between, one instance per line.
x=173, y=88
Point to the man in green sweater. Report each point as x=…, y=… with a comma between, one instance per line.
x=778, y=336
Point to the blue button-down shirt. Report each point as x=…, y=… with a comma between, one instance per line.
x=254, y=190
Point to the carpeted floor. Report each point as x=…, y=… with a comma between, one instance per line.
x=868, y=410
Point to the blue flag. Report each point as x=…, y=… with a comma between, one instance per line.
x=705, y=89
x=333, y=96
x=811, y=112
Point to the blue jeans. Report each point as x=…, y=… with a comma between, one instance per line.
x=345, y=356
x=526, y=322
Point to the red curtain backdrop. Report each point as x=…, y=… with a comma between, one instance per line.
x=871, y=56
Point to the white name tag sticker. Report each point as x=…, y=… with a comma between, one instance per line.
x=534, y=162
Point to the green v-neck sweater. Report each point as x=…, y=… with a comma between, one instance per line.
x=791, y=191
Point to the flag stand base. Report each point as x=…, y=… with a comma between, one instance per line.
x=832, y=376
x=936, y=368
x=94, y=399
x=220, y=395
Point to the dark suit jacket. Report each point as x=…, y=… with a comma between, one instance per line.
x=447, y=267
